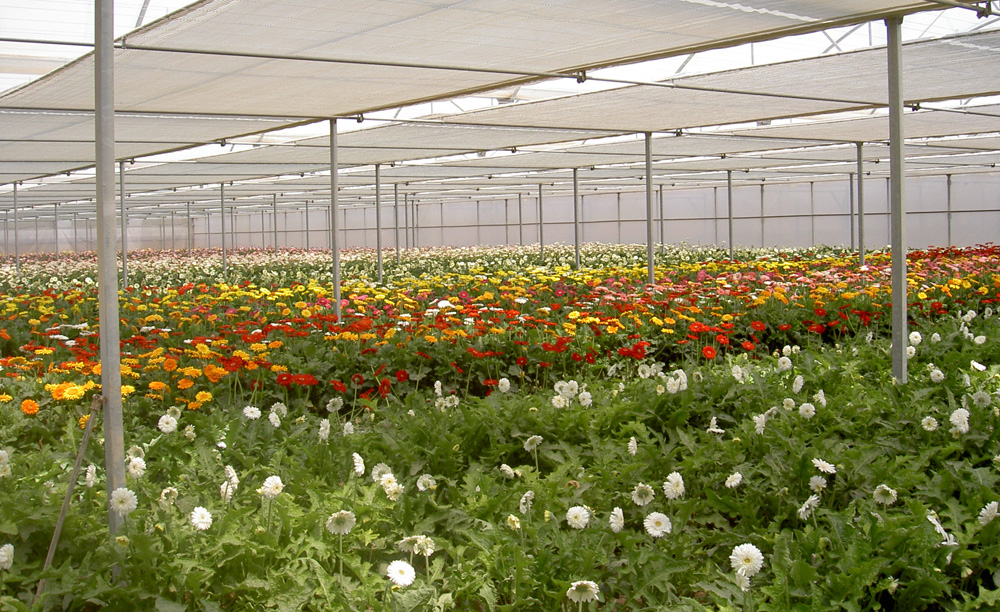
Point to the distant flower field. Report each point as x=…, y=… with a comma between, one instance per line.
x=490, y=430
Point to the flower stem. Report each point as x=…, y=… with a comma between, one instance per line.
x=340, y=557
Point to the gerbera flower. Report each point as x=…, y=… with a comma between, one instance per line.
x=426, y=482
x=673, y=488
x=532, y=443
x=401, y=573
x=929, y=423
x=201, y=518
x=272, y=487
x=734, y=480
x=525, y=505
x=642, y=494
x=884, y=495
x=577, y=517
x=123, y=501
x=616, y=520
x=513, y=522
x=817, y=483
x=746, y=560
x=823, y=466
x=359, y=464
x=806, y=510
x=657, y=524
x=340, y=523
x=988, y=513
x=167, y=424
x=583, y=591
x=807, y=410
x=633, y=446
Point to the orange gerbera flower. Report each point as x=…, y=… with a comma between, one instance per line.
x=185, y=383
x=29, y=407
x=157, y=385
x=169, y=364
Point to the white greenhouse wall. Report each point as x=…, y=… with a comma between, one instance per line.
x=779, y=214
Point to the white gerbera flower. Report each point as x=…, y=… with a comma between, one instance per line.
x=937, y=375
x=979, y=340
x=884, y=495
x=929, y=423
x=201, y=518
x=252, y=413
x=734, y=480
x=123, y=501
x=713, y=427
x=807, y=410
x=426, y=482
x=271, y=488
x=532, y=443
x=507, y=471
x=525, y=504
x=401, y=573
x=633, y=446
x=617, y=520
x=378, y=471
x=583, y=591
x=90, y=478
x=334, y=404
x=935, y=338
x=981, y=399
x=642, y=494
x=910, y=351
x=988, y=513
x=759, y=423
x=817, y=483
x=559, y=401
x=915, y=338
x=673, y=488
x=784, y=364
x=585, y=398
x=341, y=522
x=167, y=424
x=324, y=430
x=820, y=398
x=806, y=510
x=746, y=560
x=274, y=419
x=503, y=385
x=136, y=467
x=960, y=419
x=348, y=428
x=823, y=466
x=798, y=383
x=359, y=464
x=788, y=404
x=657, y=524
x=6, y=556
x=280, y=409
x=577, y=517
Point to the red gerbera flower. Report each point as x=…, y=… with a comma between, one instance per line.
x=709, y=352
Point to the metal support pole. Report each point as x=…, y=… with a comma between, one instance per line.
x=416, y=224
x=306, y=224
x=715, y=213
x=729, y=202
x=861, y=204
x=541, y=224
x=6, y=235
x=222, y=222
x=897, y=172
x=850, y=189
x=406, y=221
x=173, y=231
x=618, y=200
x=663, y=226
x=576, y=220
x=124, y=214
x=263, y=234
x=812, y=214
x=334, y=220
x=395, y=223
x=520, y=221
x=949, y=209
x=17, y=248
x=55, y=224
x=274, y=221
x=506, y=222
x=378, y=220
x=650, y=269
x=762, y=245
x=107, y=300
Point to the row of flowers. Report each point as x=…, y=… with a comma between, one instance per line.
x=554, y=444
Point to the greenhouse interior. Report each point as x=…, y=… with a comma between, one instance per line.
x=634, y=305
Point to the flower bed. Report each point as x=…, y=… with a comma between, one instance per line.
x=490, y=431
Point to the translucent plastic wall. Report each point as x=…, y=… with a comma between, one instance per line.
x=772, y=214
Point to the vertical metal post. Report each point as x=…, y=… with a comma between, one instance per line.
x=861, y=204
x=479, y=239
x=38, y=242
x=274, y=221
x=334, y=219
x=55, y=224
x=576, y=220
x=520, y=221
x=663, y=226
x=619, y=217
x=650, y=270
x=173, y=231
x=812, y=214
x=762, y=245
x=104, y=137
x=17, y=247
x=222, y=222
x=124, y=214
x=263, y=234
x=729, y=202
x=850, y=189
x=306, y=224
x=406, y=221
x=506, y=221
x=949, y=208
x=715, y=213
x=190, y=230
x=378, y=219
x=416, y=223
x=897, y=173
x=395, y=223
x=76, y=237
x=541, y=224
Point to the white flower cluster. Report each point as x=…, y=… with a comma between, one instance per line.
x=567, y=391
